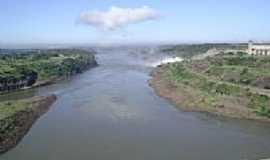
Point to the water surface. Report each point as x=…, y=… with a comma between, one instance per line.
x=110, y=113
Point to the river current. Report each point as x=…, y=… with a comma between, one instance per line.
x=111, y=113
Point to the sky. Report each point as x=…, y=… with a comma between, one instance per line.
x=137, y=21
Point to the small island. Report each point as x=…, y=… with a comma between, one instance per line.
x=234, y=84
x=24, y=69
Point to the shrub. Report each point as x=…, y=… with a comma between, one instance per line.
x=263, y=111
x=260, y=104
x=246, y=77
x=240, y=53
x=227, y=89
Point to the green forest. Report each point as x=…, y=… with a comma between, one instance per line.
x=22, y=69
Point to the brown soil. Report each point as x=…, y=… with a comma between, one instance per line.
x=20, y=123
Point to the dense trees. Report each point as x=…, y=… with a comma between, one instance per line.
x=22, y=69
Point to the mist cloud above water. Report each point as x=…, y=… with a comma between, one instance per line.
x=116, y=17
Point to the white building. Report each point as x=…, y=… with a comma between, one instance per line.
x=258, y=49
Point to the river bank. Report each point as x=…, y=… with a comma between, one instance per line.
x=212, y=86
x=17, y=117
x=32, y=69
x=100, y=115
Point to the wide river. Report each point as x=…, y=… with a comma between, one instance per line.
x=110, y=113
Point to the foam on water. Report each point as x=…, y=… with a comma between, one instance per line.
x=166, y=60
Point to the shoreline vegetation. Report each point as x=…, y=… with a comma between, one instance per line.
x=24, y=69
x=231, y=84
x=17, y=117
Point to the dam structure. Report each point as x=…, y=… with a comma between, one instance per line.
x=258, y=49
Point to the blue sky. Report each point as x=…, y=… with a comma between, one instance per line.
x=56, y=21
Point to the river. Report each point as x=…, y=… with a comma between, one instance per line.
x=110, y=113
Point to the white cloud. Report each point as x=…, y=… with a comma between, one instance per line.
x=117, y=17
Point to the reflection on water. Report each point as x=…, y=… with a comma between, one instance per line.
x=110, y=112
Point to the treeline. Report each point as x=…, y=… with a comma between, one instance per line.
x=23, y=69
x=190, y=50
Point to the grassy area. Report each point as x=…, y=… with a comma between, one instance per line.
x=244, y=70
x=9, y=108
x=224, y=80
x=17, y=117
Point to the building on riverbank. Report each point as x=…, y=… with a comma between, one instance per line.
x=258, y=49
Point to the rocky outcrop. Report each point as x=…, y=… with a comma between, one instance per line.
x=13, y=128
